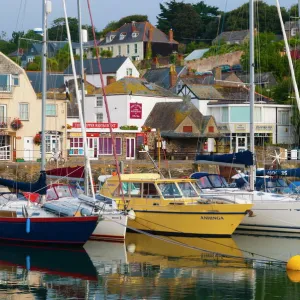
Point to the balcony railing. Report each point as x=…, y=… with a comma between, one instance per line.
x=4, y=122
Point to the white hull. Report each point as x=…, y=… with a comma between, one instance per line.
x=111, y=228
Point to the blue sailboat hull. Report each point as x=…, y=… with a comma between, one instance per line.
x=65, y=230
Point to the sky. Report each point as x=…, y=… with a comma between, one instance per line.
x=19, y=15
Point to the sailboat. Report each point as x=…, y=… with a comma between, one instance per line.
x=62, y=198
x=272, y=214
x=22, y=222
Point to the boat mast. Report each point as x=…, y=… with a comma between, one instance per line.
x=86, y=171
x=252, y=89
x=46, y=11
x=85, y=145
x=288, y=53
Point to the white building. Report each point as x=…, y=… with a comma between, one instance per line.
x=130, y=101
x=113, y=69
x=231, y=109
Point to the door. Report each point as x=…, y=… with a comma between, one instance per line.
x=28, y=148
x=130, y=148
x=241, y=143
x=92, y=148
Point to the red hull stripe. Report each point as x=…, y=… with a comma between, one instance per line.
x=49, y=220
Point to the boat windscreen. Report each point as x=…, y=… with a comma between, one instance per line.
x=217, y=181
x=187, y=189
x=169, y=190
x=204, y=183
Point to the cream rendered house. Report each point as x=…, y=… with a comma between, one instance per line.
x=19, y=101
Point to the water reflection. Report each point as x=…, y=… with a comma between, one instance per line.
x=151, y=268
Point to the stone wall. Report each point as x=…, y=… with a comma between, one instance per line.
x=209, y=63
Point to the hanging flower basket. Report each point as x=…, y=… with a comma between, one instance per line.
x=16, y=124
x=146, y=128
x=37, y=139
x=69, y=126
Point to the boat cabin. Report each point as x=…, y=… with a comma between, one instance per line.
x=146, y=187
x=57, y=191
x=211, y=181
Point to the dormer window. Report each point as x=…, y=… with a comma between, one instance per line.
x=135, y=34
x=109, y=38
x=123, y=35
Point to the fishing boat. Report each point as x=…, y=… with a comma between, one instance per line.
x=23, y=222
x=173, y=206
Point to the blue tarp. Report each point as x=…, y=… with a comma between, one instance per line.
x=240, y=158
x=39, y=187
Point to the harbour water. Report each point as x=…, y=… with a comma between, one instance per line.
x=145, y=267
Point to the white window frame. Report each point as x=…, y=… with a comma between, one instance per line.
x=100, y=99
x=22, y=117
x=135, y=48
x=119, y=50
x=47, y=110
x=51, y=140
x=99, y=117
x=281, y=119
x=15, y=78
x=129, y=72
x=128, y=49
x=123, y=35
x=78, y=149
x=110, y=151
x=224, y=116
x=8, y=86
x=135, y=34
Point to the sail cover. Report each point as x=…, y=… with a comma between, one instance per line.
x=239, y=159
x=280, y=172
x=68, y=173
x=39, y=187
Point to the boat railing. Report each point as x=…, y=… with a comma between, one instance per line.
x=236, y=197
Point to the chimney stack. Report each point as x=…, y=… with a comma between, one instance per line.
x=218, y=73
x=172, y=76
x=150, y=33
x=133, y=28
x=110, y=80
x=171, y=35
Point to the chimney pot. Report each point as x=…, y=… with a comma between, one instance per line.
x=172, y=76
x=171, y=35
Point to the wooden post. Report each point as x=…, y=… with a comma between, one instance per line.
x=158, y=146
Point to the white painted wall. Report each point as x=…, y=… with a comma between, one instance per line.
x=128, y=64
x=131, y=54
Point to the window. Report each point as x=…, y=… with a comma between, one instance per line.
x=99, y=101
x=128, y=49
x=283, y=117
x=169, y=190
x=76, y=146
x=293, y=31
x=187, y=128
x=150, y=191
x=105, y=146
x=15, y=80
x=24, y=111
x=135, y=34
x=257, y=114
x=187, y=189
x=240, y=114
x=52, y=143
x=129, y=72
x=5, y=84
x=211, y=129
x=119, y=50
x=122, y=35
x=224, y=112
x=135, y=48
x=99, y=117
x=51, y=110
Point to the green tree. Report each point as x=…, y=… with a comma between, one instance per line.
x=63, y=58
x=266, y=18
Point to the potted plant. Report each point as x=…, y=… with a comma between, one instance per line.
x=20, y=160
x=69, y=126
x=16, y=124
x=37, y=139
x=146, y=128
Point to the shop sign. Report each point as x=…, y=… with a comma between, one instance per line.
x=75, y=134
x=135, y=110
x=95, y=125
x=240, y=127
x=93, y=134
x=264, y=128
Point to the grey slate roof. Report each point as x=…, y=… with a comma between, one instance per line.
x=205, y=91
x=143, y=29
x=160, y=76
x=53, y=80
x=7, y=66
x=109, y=65
x=261, y=78
x=230, y=36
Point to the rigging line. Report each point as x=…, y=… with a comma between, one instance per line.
x=175, y=242
x=205, y=239
x=18, y=17
x=106, y=104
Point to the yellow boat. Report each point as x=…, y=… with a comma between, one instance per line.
x=173, y=206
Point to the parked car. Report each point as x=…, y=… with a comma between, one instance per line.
x=236, y=68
